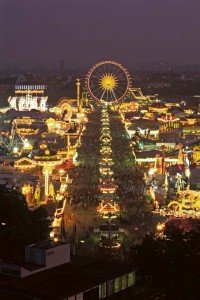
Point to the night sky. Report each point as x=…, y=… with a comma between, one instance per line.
x=83, y=31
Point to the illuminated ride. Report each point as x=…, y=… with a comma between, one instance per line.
x=108, y=81
x=20, y=128
x=48, y=161
x=187, y=203
x=65, y=109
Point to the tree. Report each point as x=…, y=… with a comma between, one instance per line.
x=19, y=226
x=171, y=261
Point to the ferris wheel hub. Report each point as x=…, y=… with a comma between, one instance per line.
x=108, y=82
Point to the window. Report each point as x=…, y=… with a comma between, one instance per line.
x=117, y=284
x=131, y=278
x=102, y=290
x=110, y=287
x=124, y=281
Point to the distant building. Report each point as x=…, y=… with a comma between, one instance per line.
x=21, y=79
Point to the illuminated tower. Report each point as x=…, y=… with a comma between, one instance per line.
x=180, y=154
x=163, y=160
x=159, y=164
x=187, y=169
x=78, y=84
x=48, y=162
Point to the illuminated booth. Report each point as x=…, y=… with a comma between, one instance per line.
x=28, y=97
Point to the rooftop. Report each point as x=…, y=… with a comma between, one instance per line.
x=46, y=245
x=66, y=280
x=144, y=124
x=153, y=153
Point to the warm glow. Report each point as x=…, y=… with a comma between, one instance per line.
x=108, y=82
x=152, y=171
x=160, y=226
x=15, y=150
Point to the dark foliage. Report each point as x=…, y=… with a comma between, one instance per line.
x=171, y=262
x=19, y=226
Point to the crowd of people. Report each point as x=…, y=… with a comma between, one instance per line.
x=127, y=176
x=86, y=174
x=84, y=191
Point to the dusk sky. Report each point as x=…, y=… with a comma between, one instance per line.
x=84, y=31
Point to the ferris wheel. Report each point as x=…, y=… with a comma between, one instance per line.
x=108, y=81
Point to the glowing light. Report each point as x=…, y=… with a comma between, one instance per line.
x=15, y=150
x=160, y=226
x=26, y=144
x=152, y=171
x=61, y=171
x=187, y=173
x=47, y=152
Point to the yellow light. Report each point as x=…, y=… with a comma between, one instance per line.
x=152, y=171
x=47, y=152
x=160, y=226
x=27, y=145
x=187, y=173
x=108, y=82
x=15, y=150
